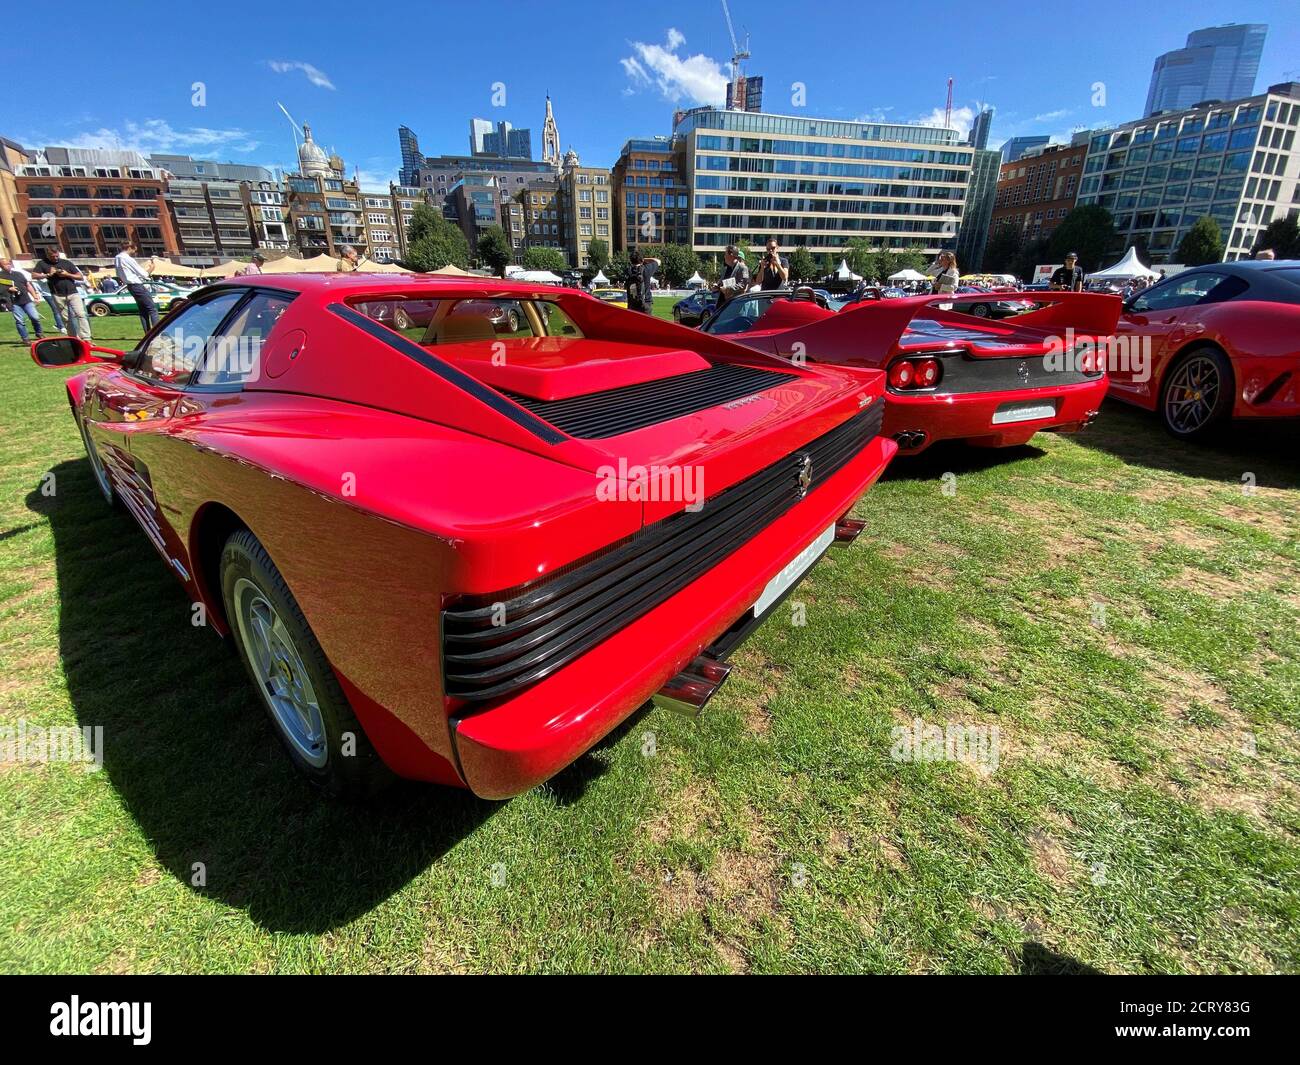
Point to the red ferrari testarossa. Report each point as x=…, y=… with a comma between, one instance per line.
x=462, y=553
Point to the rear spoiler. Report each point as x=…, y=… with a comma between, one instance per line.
x=872, y=329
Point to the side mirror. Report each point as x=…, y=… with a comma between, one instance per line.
x=70, y=351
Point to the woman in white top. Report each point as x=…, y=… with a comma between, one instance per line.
x=945, y=274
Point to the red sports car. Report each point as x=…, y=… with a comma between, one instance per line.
x=464, y=556
x=1212, y=343
x=951, y=376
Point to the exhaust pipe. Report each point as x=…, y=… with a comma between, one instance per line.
x=689, y=691
x=848, y=529
x=909, y=438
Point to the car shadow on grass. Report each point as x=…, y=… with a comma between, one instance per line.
x=192, y=755
x=957, y=457
x=1266, y=448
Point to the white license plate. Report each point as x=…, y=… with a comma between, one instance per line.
x=793, y=570
x=1025, y=411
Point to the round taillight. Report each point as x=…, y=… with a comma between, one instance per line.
x=927, y=372
x=901, y=374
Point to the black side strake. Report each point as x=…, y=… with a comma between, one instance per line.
x=621, y=410
x=459, y=378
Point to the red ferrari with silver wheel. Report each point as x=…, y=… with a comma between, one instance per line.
x=459, y=555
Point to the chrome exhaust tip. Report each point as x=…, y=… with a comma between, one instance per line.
x=848, y=529
x=692, y=688
x=909, y=438
x=1091, y=417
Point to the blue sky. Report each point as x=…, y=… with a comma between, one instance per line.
x=355, y=78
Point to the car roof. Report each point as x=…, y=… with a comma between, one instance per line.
x=342, y=285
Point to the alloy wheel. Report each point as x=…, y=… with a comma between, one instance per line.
x=1192, y=394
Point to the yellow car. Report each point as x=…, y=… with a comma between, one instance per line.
x=615, y=296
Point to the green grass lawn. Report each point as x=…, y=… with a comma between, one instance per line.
x=1114, y=603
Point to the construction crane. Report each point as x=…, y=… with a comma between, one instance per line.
x=738, y=56
x=947, y=111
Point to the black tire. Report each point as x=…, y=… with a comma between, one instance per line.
x=349, y=767
x=97, y=471
x=401, y=320
x=512, y=322
x=100, y=310
x=981, y=310
x=1196, y=393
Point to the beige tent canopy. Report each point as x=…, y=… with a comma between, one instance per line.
x=291, y=264
x=160, y=267
x=369, y=267
x=451, y=270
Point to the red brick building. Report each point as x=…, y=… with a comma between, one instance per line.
x=1037, y=191
x=88, y=201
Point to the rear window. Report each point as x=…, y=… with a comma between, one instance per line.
x=1289, y=274
x=431, y=322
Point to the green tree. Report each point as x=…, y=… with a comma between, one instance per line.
x=494, y=249
x=1087, y=230
x=1282, y=235
x=1202, y=244
x=545, y=259
x=597, y=254
x=802, y=266
x=1002, y=249
x=619, y=267
x=1030, y=255
x=434, y=242
x=858, y=254
x=677, y=262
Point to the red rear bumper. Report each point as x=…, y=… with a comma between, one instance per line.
x=969, y=416
x=520, y=743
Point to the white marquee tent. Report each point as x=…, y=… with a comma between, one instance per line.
x=908, y=275
x=845, y=274
x=1128, y=267
x=695, y=281
x=599, y=279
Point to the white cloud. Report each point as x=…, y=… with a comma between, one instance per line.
x=876, y=114
x=1051, y=116
x=371, y=180
x=696, y=79
x=157, y=135
x=962, y=119
x=315, y=75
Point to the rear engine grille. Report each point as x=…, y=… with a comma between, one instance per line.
x=545, y=625
x=621, y=410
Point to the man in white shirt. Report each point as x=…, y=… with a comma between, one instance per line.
x=130, y=273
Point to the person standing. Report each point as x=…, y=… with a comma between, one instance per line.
x=1068, y=278
x=17, y=290
x=348, y=260
x=132, y=276
x=62, y=276
x=735, y=278
x=772, y=271
x=944, y=275
x=253, y=268
x=640, y=293
x=1265, y=254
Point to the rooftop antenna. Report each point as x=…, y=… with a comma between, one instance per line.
x=947, y=111
x=738, y=56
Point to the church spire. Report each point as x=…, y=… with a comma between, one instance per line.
x=550, y=137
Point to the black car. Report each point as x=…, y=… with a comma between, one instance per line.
x=692, y=309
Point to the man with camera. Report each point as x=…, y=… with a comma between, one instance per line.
x=772, y=271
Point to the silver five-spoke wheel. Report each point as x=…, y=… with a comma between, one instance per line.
x=280, y=673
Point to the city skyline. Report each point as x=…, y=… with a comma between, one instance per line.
x=225, y=108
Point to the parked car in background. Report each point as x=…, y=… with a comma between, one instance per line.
x=951, y=376
x=694, y=308
x=122, y=302
x=1224, y=342
x=977, y=301
x=452, y=566
x=617, y=297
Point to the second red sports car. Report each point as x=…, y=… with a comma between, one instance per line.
x=951, y=376
x=463, y=555
x=1213, y=343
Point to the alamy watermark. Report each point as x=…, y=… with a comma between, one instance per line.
x=1130, y=355
x=651, y=484
x=977, y=746
x=27, y=744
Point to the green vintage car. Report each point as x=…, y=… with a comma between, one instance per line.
x=122, y=302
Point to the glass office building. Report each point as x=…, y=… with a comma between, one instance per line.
x=1218, y=63
x=820, y=182
x=1236, y=162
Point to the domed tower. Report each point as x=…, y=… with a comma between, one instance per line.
x=550, y=138
x=312, y=160
x=571, y=160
